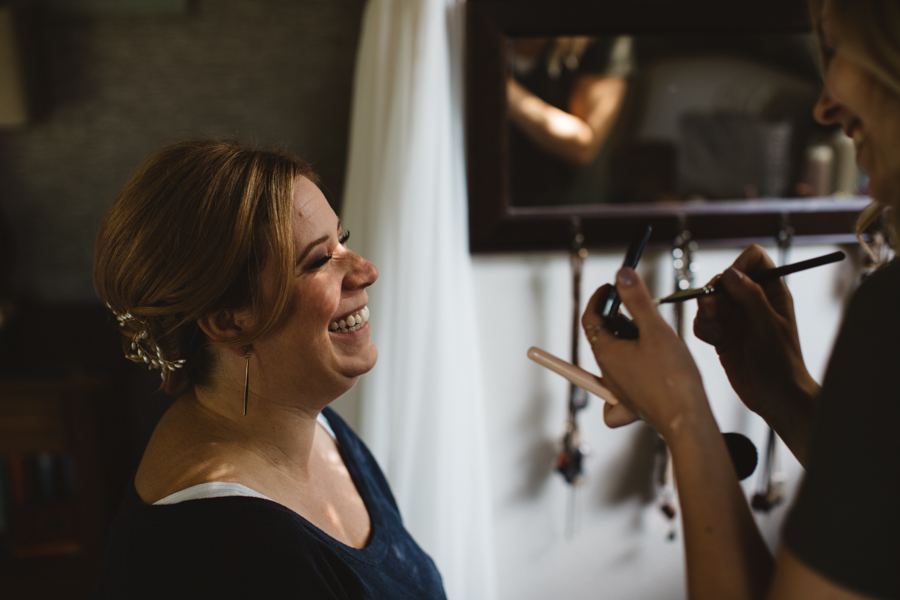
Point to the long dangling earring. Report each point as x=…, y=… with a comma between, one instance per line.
x=246, y=378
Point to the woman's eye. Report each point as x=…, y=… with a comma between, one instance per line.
x=320, y=261
x=324, y=259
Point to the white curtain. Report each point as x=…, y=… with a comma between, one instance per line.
x=422, y=407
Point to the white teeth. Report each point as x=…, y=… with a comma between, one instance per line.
x=351, y=323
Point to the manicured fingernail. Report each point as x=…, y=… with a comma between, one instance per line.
x=625, y=277
x=733, y=276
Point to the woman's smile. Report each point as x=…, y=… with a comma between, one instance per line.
x=350, y=323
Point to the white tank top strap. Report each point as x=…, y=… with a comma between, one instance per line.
x=211, y=489
x=324, y=423
x=221, y=489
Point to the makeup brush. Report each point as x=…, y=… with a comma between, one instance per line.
x=715, y=286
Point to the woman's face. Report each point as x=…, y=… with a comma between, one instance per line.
x=308, y=354
x=867, y=110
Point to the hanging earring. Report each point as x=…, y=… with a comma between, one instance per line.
x=246, y=378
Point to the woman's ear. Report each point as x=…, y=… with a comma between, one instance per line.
x=222, y=328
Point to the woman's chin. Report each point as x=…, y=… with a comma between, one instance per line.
x=362, y=362
x=883, y=194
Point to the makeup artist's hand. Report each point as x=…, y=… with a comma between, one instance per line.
x=753, y=329
x=654, y=375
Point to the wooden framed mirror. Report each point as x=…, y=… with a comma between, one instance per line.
x=694, y=115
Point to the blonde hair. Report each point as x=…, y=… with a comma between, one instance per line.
x=188, y=235
x=870, y=35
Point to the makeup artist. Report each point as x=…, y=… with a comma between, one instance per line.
x=228, y=273
x=842, y=536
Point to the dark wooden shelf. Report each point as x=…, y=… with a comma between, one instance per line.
x=711, y=223
x=56, y=416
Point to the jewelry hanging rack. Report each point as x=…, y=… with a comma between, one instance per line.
x=570, y=461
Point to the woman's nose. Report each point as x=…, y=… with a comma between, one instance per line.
x=362, y=273
x=826, y=110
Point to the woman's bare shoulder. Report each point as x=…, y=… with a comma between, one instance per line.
x=181, y=453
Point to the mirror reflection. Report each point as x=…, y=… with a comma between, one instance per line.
x=651, y=119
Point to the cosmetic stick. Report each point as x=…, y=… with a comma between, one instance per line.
x=742, y=451
x=574, y=374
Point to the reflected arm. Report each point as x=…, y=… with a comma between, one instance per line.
x=575, y=136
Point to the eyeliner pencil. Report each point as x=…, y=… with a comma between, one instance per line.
x=715, y=286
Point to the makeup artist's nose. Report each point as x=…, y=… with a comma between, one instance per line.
x=826, y=110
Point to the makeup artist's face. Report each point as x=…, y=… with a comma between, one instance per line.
x=868, y=111
x=318, y=349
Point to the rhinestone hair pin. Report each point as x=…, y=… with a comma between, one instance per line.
x=144, y=351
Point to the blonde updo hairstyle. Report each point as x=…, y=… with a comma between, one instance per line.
x=187, y=236
x=870, y=35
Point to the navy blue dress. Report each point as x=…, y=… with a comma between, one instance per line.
x=243, y=547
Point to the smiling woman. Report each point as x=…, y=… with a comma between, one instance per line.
x=228, y=271
x=862, y=90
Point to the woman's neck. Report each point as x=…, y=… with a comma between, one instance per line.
x=275, y=430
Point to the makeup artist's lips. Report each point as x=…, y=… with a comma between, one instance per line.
x=863, y=147
x=855, y=132
x=352, y=322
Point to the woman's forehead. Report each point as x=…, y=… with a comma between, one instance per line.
x=310, y=209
